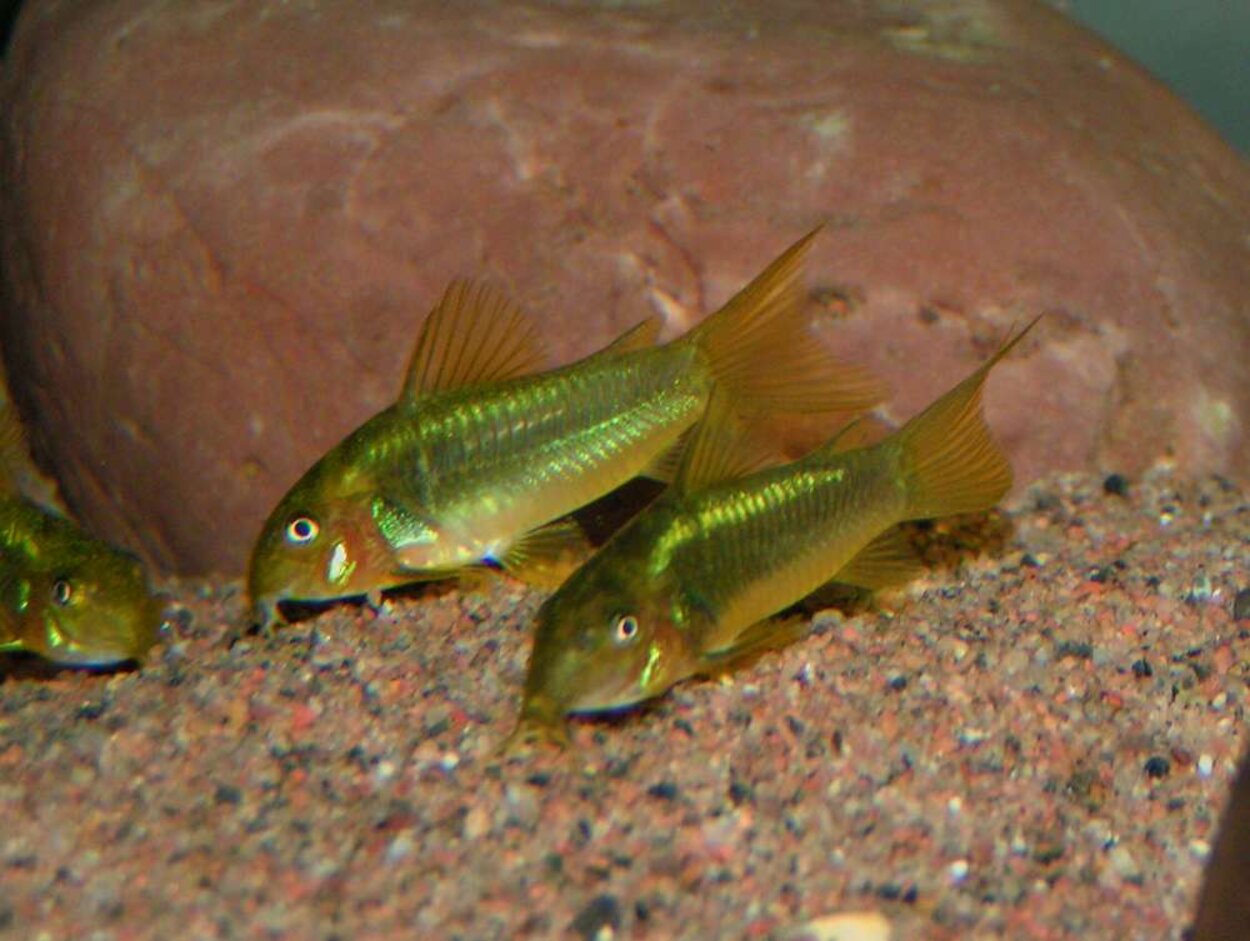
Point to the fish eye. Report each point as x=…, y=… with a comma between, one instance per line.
x=62, y=591
x=626, y=628
x=301, y=530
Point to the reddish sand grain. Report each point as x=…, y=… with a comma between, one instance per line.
x=1033, y=745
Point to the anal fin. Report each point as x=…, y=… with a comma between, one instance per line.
x=665, y=465
x=887, y=561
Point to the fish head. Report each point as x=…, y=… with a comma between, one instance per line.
x=608, y=638
x=320, y=543
x=90, y=608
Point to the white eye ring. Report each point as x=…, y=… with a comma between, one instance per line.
x=626, y=628
x=301, y=530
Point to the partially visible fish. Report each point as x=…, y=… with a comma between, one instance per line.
x=688, y=585
x=1223, y=909
x=65, y=595
x=480, y=455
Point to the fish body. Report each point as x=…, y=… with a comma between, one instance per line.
x=67, y=596
x=482, y=455
x=688, y=585
x=64, y=594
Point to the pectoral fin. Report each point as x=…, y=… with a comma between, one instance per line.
x=759, y=638
x=473, y=336
x=400, y=528
x=547, y=556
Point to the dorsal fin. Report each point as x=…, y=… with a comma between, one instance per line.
x=722, y=447
x=472, y=336
x=638, y=337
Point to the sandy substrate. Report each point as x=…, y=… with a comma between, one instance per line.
x=1035, y=744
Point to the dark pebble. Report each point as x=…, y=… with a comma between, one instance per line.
x=1048, y=852
x=603, y=911
x=1116, y=484
x=437, y=728
x=179, y=618
x=1157, y=766
x=1142, y=669
x=584, y=832
x=893, y=892
x=741, y=793
x=1241, y=605
x=890, y=891
x=684, y=726
x=539, y=779
x=91, y=710
x=898, y=683
x=1078, y=650
x=1028, y=561
x=228, y=794
x=1100, y=574
x=618, y=767
x=665, y=790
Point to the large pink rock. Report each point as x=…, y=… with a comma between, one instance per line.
x=222, y=223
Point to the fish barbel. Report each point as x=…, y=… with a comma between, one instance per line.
x=481, y=453
x=64, y=594
x=688, y=585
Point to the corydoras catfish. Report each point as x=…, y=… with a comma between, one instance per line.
x=64, y=594
x=688, y=585
x=481, y=456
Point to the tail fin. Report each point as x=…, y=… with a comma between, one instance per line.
x=763, y=355
x=950, y=463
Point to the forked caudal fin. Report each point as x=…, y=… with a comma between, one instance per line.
x=950, y=462
x=764, y=355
